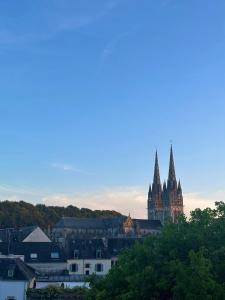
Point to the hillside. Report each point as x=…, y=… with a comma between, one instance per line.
x=16, y=214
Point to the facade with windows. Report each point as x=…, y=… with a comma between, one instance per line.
x=89, y=266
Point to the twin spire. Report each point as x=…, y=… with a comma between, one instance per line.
x=165, y=200
x=171, y=181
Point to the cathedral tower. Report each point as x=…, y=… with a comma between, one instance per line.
x=166, y=202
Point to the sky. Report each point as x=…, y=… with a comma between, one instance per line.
x=90, y=89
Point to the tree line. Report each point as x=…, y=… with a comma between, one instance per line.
x=185, y=262
x=18, y=214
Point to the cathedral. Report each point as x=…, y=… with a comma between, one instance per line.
x=165, y=201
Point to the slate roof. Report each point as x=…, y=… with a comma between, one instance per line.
x=43, y=251
x=87, y=223
x=110, y=247
x=148, y=224
x=18, y=268
x=87, y=248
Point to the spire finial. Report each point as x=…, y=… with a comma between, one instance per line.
x=172, y=174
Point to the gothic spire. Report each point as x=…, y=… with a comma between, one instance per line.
x=156, y=179
x=179, y=189
x=172, y=174
x=149, y=191
x=164, y=186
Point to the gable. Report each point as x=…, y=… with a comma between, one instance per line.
x=37, y=236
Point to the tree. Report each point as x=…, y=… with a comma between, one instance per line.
x=186, y=261
x=18, y=214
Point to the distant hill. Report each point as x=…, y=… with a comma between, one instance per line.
x=17, y=214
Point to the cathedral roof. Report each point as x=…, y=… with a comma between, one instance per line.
x=148, y=224
x=87, y=223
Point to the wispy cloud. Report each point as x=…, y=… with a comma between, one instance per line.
x=110, y=48
x=69, y=168
x=63, y=167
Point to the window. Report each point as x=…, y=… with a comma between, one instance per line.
x=76, y=254
x=10, y=298
x=54, y=254
x=99, y=267
x=87, y=272
x=113, y=263
x=87, y=265
x=33, y=255
x=98, y=254
x=74, y=268
x=11, y=271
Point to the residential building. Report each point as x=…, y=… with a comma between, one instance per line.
x=15, y=278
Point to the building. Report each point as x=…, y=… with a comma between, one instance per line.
x=95, y=256
x=38, y=251
x=165, y=201
x=68, y=229
x=15, y=278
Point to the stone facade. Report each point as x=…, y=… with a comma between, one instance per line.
x=165, y=201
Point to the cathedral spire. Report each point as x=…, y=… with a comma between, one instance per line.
x=164, y=186
x=172, y=174
x=149, y=192
x=156, y=179
x=179, y=189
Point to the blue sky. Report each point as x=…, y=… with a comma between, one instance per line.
x=89, y=90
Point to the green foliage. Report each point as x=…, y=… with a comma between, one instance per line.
x=57, y=293
x=17, y=214
x=185, y=262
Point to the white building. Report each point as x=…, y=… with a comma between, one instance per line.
x=89, y=266
x=15, y=278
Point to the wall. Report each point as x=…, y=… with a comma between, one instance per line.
x=13, y=288
x=81, y=266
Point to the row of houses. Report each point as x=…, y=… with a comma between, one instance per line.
x=70, y=252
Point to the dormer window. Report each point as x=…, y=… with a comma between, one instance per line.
x=10, y=272
x=76, y=254
x=55, y=255
x=33, y=256
x=98, y=253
